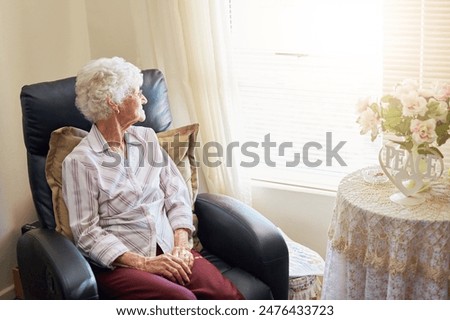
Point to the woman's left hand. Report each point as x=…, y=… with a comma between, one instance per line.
x=181, y=248
x=184, y=254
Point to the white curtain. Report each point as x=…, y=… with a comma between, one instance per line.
x=190, y=42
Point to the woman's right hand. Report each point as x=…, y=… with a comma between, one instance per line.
x=169, y=267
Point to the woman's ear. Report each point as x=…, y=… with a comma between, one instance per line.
x=114, y=106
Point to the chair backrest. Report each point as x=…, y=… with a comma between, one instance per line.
x=48, y=106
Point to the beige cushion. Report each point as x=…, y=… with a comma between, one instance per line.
x=62, y=142
x=179, y=144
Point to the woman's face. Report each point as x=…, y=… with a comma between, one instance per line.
x=131, y=110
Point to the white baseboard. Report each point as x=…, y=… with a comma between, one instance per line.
x=7, y=293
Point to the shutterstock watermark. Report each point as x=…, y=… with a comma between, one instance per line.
x=215, y=154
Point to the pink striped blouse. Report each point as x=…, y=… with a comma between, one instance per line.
x=118, y=205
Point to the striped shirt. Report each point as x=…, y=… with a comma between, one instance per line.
x=118, y=205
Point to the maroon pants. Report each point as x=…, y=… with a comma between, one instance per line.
x=207, y=283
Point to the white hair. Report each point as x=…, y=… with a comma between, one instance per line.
x=105, y=77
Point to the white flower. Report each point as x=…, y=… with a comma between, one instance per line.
x=427, y=93
x=405, y=88
x=413, y=104
x=362, y=105
x=369, y=121
x=442, y=91
x=423, y=131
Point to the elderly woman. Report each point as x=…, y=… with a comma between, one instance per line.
x=132, y=220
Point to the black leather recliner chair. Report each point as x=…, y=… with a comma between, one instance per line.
x=245, y=246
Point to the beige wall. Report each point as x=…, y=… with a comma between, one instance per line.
x=39, y=40
x=111, y=29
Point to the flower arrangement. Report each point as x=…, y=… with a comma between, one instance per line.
x=419, y=118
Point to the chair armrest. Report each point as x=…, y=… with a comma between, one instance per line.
x=242, y=237
x=51, y=267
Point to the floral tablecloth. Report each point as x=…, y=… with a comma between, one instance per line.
x=378, y=249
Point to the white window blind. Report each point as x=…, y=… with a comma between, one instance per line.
x=417, y=45
x=302, y=65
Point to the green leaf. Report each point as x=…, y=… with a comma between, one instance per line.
x=426, y=149
x=433, y=106
x=442, y=132
x=436, y=151
x=407, y=145
x=375, y=108
x=441, y=139
x=442, y=128
x=403, y=127
x=392, y=116
x=390, y=100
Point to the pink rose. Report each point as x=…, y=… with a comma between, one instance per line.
x=413, y=104
x=442, y=91
x=423, y=131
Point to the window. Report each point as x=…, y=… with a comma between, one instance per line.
x=302, y=65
